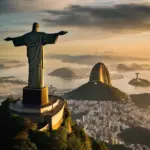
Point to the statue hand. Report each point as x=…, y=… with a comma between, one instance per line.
x=63, y=32
x=8, y=39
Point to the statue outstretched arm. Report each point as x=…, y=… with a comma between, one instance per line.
x=59, y=33
x=62, y=32
x=11, y=38
x=52, y=38
x=17, y=41
x=8, y=39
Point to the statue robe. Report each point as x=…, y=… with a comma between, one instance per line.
x=35, y=42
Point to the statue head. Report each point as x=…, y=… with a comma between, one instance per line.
x=35, y=27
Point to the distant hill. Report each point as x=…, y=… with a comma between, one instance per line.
x=100, y=73
x=139, y=82
x=12, y=80
x=132, y=67
x=97, y=91
x=99, y=87
x=123, y=67
x=63, y=73
x=78, y=73
x=141, y=100
x=7, y=64
x=136, y=66
x=136, y=135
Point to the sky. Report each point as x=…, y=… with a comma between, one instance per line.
x=120, y=26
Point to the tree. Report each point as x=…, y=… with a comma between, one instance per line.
x=74, y=143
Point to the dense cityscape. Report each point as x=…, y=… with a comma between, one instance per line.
x=105, y=120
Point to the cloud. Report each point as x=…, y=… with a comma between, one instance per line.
x=89, y=59
x=119, y=17
x=34, y=5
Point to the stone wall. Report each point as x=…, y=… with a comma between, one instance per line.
x=44, y=128
x=57, y=119
x=19, y=107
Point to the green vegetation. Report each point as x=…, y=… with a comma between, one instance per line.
x=14, y=130
x=97, y=91
x=19, y=133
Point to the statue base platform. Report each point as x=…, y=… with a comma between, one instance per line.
x=35, y=96
x=51, y=113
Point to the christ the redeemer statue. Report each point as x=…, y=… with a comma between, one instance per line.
x=35, y=41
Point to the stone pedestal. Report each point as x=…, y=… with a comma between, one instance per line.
x=35, y=96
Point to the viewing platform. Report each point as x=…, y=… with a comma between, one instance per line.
x=50, y=115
